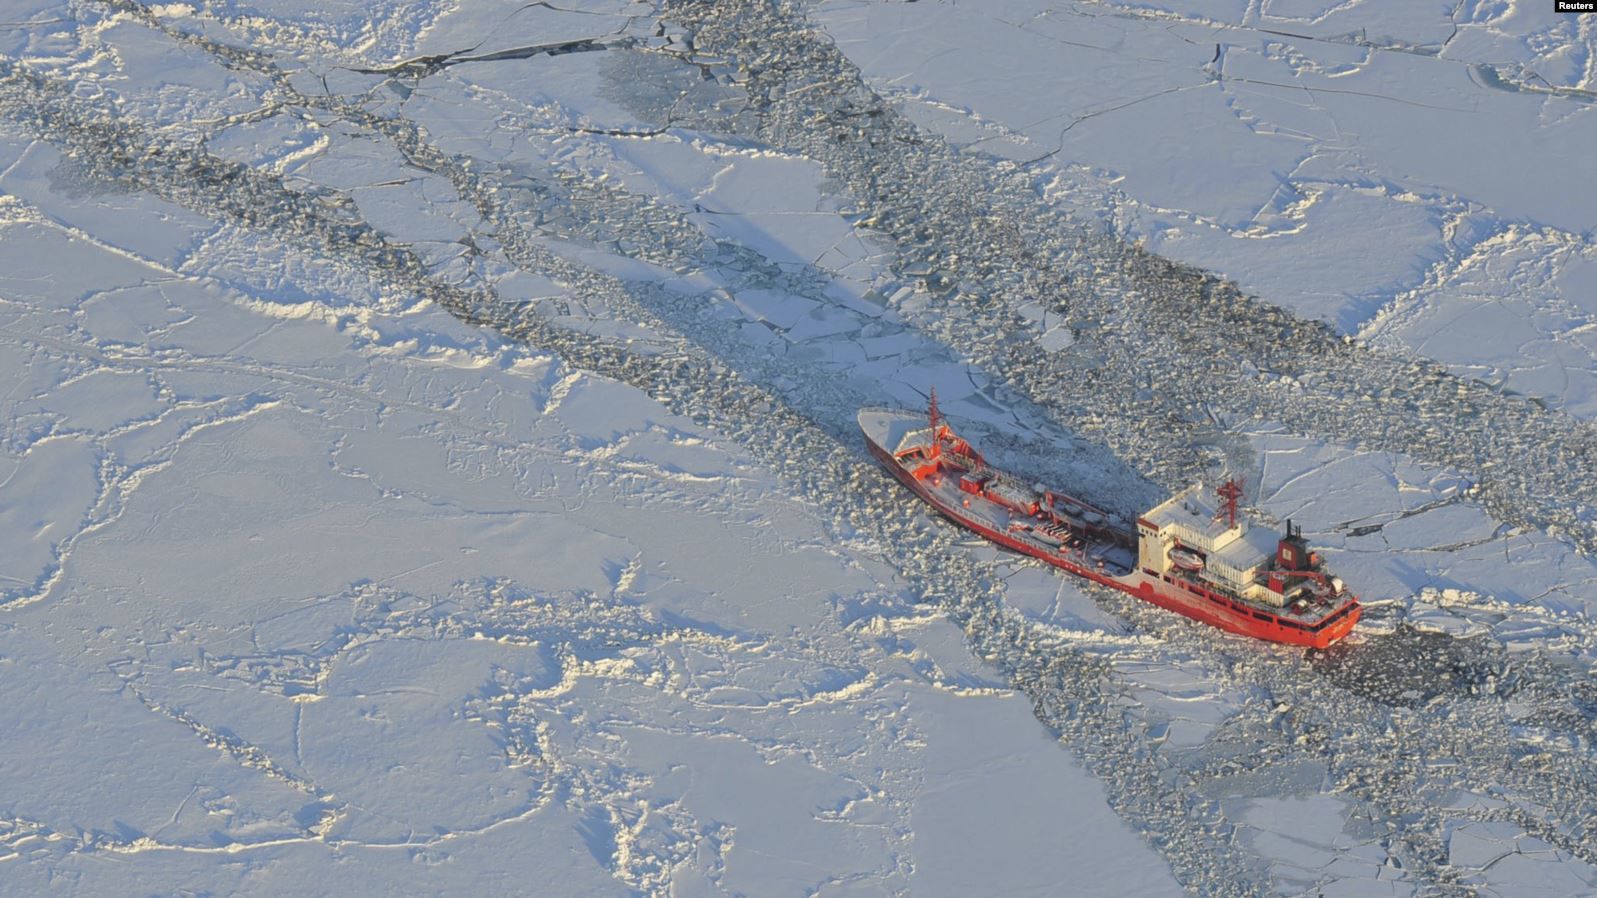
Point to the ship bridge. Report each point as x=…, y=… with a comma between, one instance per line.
x=1219, y=547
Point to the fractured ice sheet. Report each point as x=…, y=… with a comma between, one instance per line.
x=1393, y=527
x=1516, y=309
x=366, y=598
x=1326, y=155
x=391, y=588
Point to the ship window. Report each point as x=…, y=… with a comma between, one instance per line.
x=1262, y=616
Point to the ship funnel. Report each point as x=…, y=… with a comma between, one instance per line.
x=1292, y=552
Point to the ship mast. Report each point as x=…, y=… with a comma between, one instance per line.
x=1229, y=492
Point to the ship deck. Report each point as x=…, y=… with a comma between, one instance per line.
x=1099, y=551
x=1310, y=617
x=1117, y=559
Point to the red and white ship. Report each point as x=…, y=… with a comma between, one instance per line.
x=1192, y=555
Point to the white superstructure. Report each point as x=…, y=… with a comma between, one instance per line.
x=1234, y=553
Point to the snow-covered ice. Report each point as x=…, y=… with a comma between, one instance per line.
x=427, y=464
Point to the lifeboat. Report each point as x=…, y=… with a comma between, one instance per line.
x=1186, y=559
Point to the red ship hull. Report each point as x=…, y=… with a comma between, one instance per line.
x=1181, y=595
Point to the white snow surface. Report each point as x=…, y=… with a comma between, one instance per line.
x=1414, y=173
x=360, y=532
x=296, y=595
